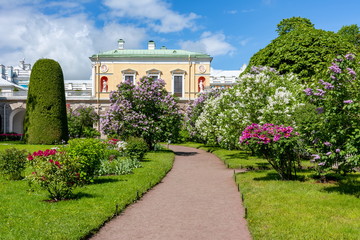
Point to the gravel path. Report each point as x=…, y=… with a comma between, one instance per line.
x=198, y=199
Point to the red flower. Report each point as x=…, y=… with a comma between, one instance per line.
x=51, y=161
x=30, y=157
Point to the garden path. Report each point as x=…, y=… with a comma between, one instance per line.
x=198, y=199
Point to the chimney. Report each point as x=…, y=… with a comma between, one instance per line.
x=121, y=43
x=151, y=45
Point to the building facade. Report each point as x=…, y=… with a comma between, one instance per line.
x=185, y=73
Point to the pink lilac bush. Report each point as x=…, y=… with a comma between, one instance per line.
x=278, y=144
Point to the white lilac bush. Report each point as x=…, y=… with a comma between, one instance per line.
x=259, y=97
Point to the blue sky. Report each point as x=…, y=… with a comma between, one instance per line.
x=229, y=30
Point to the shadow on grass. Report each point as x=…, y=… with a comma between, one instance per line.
x=185, y=153
x=106, y=179
x=242, y=155
x=80, y=195
x=349, y=186
x=276, y=177
x=263, y=166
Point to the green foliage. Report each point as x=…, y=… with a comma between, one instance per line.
x=136, y=148
x=306, y=52
x=89, y=152
x=13, y=163
x=45, y=119
x=81, y=121
x=118, y=166
x=351, y=33
x=290, y=24
x=336, y=136
x=57, y=173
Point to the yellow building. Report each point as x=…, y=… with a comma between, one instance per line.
x=185, y=73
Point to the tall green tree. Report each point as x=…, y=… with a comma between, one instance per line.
x=290, y=24
x=351, y=33
x=305, y=51
x=45, y=120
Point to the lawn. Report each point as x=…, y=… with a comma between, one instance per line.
x=300, y=210
x=20, y=145
x=27, y=215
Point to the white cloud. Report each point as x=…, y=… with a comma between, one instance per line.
x=155, y=13
x=27, y=33
x=210, y=43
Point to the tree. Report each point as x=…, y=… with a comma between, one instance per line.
x=304, y=51
x=145, y=110
x=81, y=121
x=289, y=24
x=351, y=33
x=45, y=119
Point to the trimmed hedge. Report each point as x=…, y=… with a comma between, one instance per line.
x=45, y=119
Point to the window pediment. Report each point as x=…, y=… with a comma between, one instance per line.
x=153, y=71
x=129, y=71
x=178, y=71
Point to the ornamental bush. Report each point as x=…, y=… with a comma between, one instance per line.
x=89, y=153
x=81, y=121
x=336, y=100
x=259, y=97
x=136, y=148
x=144, y=110
x=45, y=119
x=278, y=144
x=13, y=163
x=56, y=172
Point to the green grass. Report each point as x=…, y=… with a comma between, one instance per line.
x=26, y=215
x=300, y=210
x=20, y=145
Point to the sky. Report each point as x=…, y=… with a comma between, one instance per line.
x=231, y=31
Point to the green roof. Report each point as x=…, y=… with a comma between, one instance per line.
x=149, y=53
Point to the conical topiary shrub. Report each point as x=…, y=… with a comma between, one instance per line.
x=45, y=120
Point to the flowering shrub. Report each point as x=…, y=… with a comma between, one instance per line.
x=259, y=97
x=195, y=108
x=276, y=143
x=336, y=137
x=144, y=110
x=55, y=172
x=12, y=163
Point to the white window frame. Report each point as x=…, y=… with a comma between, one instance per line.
x=129, y=72
x=129, y=75
x=182, y=75
x=153, y=73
